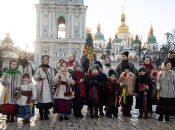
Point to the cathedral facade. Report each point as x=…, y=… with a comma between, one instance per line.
x=124, y=41
x=60, y=29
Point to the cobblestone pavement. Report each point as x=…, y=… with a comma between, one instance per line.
x=103, y=123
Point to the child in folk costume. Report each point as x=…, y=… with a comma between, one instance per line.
x=166, y=87
x=149, y=68
x=26, y=99
x=44, y=76
x=103, y=94
x=70, y=62
x=63, y=93
x=79, y=88
x=127, y=82
x=107, y=66
x=93, y=98
x=10, y=81
x=113, y=91
x=143, y=91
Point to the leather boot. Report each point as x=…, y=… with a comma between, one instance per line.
x=96, y=113
x=41, y=113
x=101, y=111
x=12, y=118
x=167, y=118
x=140, y=113
x=146, y=114
x=160, y=118
x=91, y=112
x=8, y=118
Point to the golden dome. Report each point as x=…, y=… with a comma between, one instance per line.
x=110, y=39
x=137, y=37
x=123, y=28
x=151, y=30
x=98, y=27
x=132, y=38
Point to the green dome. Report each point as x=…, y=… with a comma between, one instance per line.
x=108, y=45
x=98, y=35
x=116, y=40
x=152, y=39
x=136, y=41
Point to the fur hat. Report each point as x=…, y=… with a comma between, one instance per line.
x=142, y=68
x=111, y=72
x=126, y=53
x=99, y=63
x=76, y=64
x=97, y=67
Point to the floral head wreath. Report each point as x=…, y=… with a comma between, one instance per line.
x=26, y=75
x=14, y=60
x=63, y=62
x=45, y=56
x=166, y=62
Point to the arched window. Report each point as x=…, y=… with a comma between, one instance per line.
x=61, y=27
x=153, y=47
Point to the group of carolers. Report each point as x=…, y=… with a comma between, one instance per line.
x=68, y=87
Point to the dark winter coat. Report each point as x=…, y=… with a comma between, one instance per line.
x=111, y=89
x=120, y=68
x=104, y=93
x=77, y=76
x=143, y=79
x=172, y=63
x=97, y=82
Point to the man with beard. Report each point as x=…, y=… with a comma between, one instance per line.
x=171, y=58
x=24, y=65
x=125, y=62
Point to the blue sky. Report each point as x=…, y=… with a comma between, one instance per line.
x=21, y=16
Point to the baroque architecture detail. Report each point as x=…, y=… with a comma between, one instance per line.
x=60, y=29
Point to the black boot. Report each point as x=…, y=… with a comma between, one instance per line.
x=96, y=113
x=128, y=113
x=80, y=114
x=160, y=118
x=46, y=114
x=125, y=113
x=109, y=112
x=101, y=111
x=167, y=118
x=75, y=113
x=91, y=112
x=41, y=113
x=61, y=118
x=115, y=112
x=66, y=117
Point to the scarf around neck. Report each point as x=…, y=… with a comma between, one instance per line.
x=148, y=66
x=9, y=72
x=70, y=63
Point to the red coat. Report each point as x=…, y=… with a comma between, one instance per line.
x=111, y=89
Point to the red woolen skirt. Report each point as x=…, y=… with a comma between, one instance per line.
x=62, y=105
x=9, y=109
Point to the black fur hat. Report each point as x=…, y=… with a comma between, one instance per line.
x=99, y=63
x=111, y=72
x=126, y=53
x=142, y=68
x=97, y=67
